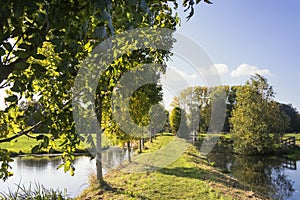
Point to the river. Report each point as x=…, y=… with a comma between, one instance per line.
x=274, y=177
x=29, y=170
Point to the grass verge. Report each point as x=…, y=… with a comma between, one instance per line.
x=23, y=146
x=189, y=176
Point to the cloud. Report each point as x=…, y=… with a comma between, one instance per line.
x=246, y=70
x=221, y=68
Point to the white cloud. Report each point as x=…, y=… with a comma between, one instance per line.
x=221, y=68
x=246, y=70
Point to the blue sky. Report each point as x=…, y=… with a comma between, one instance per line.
x=244, y=37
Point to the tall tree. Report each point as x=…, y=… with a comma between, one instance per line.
x=257, y=121
x=294, y=116
x=42, y=43
x=175, y=117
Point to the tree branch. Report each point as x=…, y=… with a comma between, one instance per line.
x=20, y=134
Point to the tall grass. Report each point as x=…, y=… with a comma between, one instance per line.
x=34, y=191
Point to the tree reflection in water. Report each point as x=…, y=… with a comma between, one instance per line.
x=39, y=163
x=263, y=175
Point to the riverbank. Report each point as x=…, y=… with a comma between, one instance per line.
x=23, y=146
x=292, y=152
x=189, y=176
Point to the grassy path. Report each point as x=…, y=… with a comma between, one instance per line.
x=169, y=169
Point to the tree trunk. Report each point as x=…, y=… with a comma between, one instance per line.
x=128, y=151
x=99, y=159
x=99, y=144
x=151, y=133
x=140, y=145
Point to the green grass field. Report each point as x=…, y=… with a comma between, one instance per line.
x=188, y=176
x=24, y=144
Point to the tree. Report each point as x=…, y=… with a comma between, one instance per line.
x=294, y=116
x=255, y=117
x=158, y=118
x=183, y=130
x=201, y=101
x=175, y=117
x=42, y=43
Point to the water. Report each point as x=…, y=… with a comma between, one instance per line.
x=273, y=177
x=43, y=169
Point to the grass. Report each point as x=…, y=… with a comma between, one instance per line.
x=38, y=192
x=24, y=144
x=186, y=175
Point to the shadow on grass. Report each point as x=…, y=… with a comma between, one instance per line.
x=105, y=187
x=202, y=174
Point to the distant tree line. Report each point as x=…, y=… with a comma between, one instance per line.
x=201, y=96
x=253, y=117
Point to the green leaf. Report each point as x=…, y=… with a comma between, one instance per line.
x=12, y=98
x=2, y=52
x=38, y=67
x=60, y=166
x=18, y=8
x=132, y=2
x=18, y=87
x=207, y=1
x=15, y=128
x=35, y=149
x=62, y=144
x=100, y=32
x=8, y=46
x=24, y=46
x=22, y=65
x=45, y=143
x=39, y=137
x=21, y=54
x=72, y=171
x=39, y=56
x=31, y=5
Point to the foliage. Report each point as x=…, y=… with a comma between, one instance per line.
x=37, y=191
x=255, y=117
x=158, y=117
x=199, y=101
x=175, y=118
x=41, y=45
x=294, y=116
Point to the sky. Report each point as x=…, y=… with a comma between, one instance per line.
x=247, y=37
x=242, y=38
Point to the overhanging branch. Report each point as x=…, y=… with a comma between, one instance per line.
x=20, y=134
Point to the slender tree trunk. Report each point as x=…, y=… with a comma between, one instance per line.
x=99, y=145
x=140, y=145
x=128, y=151
x=143, y=143
x=151, y=133
x=99, y=159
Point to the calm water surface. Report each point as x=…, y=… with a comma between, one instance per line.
x=30, y=170
x=273, y=177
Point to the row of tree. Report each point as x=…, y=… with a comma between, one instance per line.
x=252, y=115
x=42, y=47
